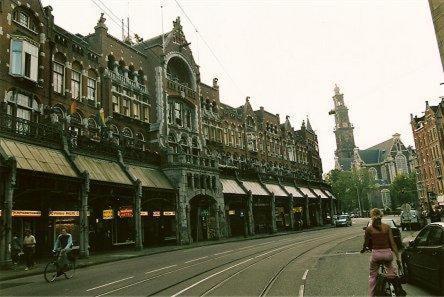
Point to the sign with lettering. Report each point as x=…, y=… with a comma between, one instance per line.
x=156, y=214
x=169, y=213
x=231, y=212
x=25, y=213
x=108, y=214
x=64, y=213
x=143, y=213
x=125, y=212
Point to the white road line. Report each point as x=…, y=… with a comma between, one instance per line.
x=301, y=291
x=211, y=276
x=304, y=277
x=223, y=253
x=114, y=282
x=197, y=259
x=151, y=271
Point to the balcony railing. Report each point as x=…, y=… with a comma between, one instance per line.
x=121, y=79
x=179, y=88
x=177, y=159
x=21, y=128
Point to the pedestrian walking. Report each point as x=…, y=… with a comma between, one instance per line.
x=29, y=248
x=16, y=249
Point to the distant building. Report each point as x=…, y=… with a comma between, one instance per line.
x=437, y=10
x=384, y=160
x=428, y=132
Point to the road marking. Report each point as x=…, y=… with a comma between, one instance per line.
x=211, y=276
x=304, y=277
x=114, y=282
x=197, y=259
x=148, y=272
x=223, y=253
x=301, y=291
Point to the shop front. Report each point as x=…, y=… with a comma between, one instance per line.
x=326, y=205
x=236, y=208
x=282, y=206
x=262, y=206
x=299, y=211
x=313, y=206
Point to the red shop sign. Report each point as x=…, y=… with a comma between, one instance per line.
x=125, y=212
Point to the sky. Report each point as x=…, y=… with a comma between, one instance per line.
x=288, y=54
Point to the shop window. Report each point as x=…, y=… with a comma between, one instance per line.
x=24, y=59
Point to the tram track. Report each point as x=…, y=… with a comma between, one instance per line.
x=249, y=257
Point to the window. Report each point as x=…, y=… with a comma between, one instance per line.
x=24, y=59
x=125, y=106
x=436, y=236
x=24, y=20
x=170, y=112
x=116, y=103
x=189, y=118
x=401, y=163
x=23, y=105
x=75, y=84
x=421, y=239
x=146, y=113
x=91, y=89
x=373, y=173
x=57, y=77
x=136, y=110
x=178, y=113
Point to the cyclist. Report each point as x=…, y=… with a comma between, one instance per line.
x=379, y=239
x=62, y=247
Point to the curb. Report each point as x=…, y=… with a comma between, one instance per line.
x=175, y=248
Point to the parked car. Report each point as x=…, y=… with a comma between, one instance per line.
x=395, y=231
x=412, y=219
x=343, y=220
x=423, y=259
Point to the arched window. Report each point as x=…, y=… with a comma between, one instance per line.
x=401, y=164
x=59, y=111
x=184, y=144
x=121, y=69
x=92, y=124
x=76, y=119
x=141, y=77
x=140, y=141
x=24, y=18
x=21, y=105
x=126, y=132
x=111, y=62
x=195, y=146
x=76, y=80
x=58, y=73
x=132, y=73
x=114, y=134
x=373, y=173
x=172, y=142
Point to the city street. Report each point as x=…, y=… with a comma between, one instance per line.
x=317, y=263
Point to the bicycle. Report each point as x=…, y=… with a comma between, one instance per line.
x=385, y=286
x=53, y=269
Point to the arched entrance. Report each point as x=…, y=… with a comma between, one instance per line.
x=203, y=218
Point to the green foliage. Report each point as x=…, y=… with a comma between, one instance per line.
x=403, y=190
x=347, y=186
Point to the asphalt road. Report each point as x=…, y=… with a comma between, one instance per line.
x=289, y=265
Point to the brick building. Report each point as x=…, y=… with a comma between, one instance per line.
x=428, y=132
x=121, y=143
x=437, y=11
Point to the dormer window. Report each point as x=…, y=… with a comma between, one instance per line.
x=24, y=19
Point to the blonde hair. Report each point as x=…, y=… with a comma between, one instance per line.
x=375, y=213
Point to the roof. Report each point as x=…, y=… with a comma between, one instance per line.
x=156, y=40
x=385, y=145
x=230, y=186
x=37, y=158
x=276, y=190
x=102, y=170
x=307, y=192
x=292, y=190
x=150, y=177
x=255, y=188
x=370, y=156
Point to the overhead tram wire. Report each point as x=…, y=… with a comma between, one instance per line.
x=209, y=48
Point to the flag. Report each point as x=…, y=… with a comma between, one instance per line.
x=101, y=117
x=73, y=107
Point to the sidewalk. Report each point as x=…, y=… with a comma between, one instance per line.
x=19, y=271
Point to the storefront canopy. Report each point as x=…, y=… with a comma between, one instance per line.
x=292, y=190
x=37, y=158
x=102, y=170
x=307, y=192
x=255, y=188
x=329, y=194
x=320, y=193
x=276, y=190
x=230, y=186
x=150, y=177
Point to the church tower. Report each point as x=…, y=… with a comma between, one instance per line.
x=345, y=140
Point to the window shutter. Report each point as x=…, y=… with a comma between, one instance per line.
x=16, y=64
x=34, y=52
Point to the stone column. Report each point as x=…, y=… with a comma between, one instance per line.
x=290, y=206
x=83, y=216
x=6, y=234
x=217, y=215
x=137, y=217
x=273, y=214
x=307, y=212
x=250, y=217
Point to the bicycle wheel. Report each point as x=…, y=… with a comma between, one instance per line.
x=69, y=273
x=50, y=273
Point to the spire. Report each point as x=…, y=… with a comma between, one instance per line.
x=309, y=125
x=336, y=89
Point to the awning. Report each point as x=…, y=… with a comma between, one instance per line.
x=255, y=188
x=230, y=186
x=329, y=194
x=292, y=190
x=276, y=189
x=102, y=170
x=150, y=177
x=320, y=193
x=307, y=192
x=37, y=158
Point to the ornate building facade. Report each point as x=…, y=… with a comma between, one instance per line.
x=123, y=144
x=437, y=11
x=428, y=133
x=385, y=160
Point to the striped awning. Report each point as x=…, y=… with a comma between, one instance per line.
x=230, y=186
x=102, y=170
x=150, y=177
x=329, y=194
x=307, y=192
x=37, y=158
x=255, y=188
x=292, y=190
x=320, y=193
x=276, y=190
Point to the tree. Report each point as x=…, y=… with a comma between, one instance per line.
x=403, y=190
x=349, y=185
